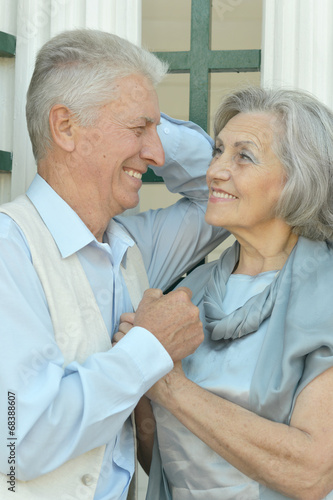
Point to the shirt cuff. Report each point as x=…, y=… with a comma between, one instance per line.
x=147, y=353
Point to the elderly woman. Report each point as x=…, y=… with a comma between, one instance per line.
x=250, y=414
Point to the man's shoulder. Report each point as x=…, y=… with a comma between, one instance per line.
x=11, y=235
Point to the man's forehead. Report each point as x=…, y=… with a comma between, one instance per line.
x=135, y=87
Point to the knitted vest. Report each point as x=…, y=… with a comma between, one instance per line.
x=79, y=332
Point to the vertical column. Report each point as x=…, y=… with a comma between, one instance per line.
x=297, y=46
x=7, y=75
x=38, y=21
x=32, y=32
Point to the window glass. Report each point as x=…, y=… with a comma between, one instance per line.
x=236, y=24
x=174, y=95
x=224, y=83
x=166, y=25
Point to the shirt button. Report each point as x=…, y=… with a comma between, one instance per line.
x=87, y=479
x=166, y=130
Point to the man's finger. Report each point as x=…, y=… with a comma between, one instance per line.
x=127, y=318
x=152, y=294
x=184, y=289
x=117, y=336
x=125, y=327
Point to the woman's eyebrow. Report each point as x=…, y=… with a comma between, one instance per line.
x=241, y=143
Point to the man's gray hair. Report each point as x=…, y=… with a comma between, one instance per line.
x=79, y=69
x=304, y=145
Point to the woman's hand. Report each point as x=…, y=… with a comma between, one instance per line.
x=126, y=323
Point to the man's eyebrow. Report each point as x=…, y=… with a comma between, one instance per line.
x=146, y=118
x=150, y=120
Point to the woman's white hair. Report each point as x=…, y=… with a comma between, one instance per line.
x=304, y=145
x=79, y=69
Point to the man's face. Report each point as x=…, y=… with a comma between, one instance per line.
x=113, y=155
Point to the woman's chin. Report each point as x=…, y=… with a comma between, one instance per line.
x=214, y=220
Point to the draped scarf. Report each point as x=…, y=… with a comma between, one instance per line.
x=245, y=319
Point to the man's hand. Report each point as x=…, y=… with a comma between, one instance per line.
x=126, y=323
x=173, y=319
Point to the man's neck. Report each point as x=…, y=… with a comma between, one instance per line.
x=78, y=196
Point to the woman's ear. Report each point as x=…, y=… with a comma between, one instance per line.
x=62, y=127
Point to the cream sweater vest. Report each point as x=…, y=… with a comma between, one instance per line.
x=69, y=296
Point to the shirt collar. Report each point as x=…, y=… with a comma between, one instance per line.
x=68, y=230
x=119, y=241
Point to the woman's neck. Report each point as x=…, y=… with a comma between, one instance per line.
x=267, y=253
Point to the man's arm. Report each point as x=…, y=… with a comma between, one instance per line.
x=188, y=153
x=174, y=239
x=64, y=412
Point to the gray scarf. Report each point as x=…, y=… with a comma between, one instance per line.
x=245, y=319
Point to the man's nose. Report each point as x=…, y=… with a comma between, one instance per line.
x=153, y=151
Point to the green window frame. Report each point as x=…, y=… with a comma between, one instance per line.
x=7, y=49
x=200, y=61
x=7, y=45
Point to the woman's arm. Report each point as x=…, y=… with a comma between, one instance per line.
x=296, y=460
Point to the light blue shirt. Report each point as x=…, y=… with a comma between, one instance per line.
x=62, y=413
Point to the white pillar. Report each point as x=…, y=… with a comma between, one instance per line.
x=7, y=77
x=37, y=22
x=297, y=48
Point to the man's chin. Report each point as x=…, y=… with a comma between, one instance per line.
x=132, y=205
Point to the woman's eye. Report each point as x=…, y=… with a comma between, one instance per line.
x=216, y=152
x=246, y=157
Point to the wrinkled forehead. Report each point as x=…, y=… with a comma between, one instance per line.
x=257, y=128
x=135, y=99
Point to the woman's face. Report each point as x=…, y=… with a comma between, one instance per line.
x=245, y=178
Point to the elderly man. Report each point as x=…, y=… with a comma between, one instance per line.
x=70, y=267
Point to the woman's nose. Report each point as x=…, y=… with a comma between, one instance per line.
x=220, y=168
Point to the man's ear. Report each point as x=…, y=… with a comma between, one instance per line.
x=62, y=127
